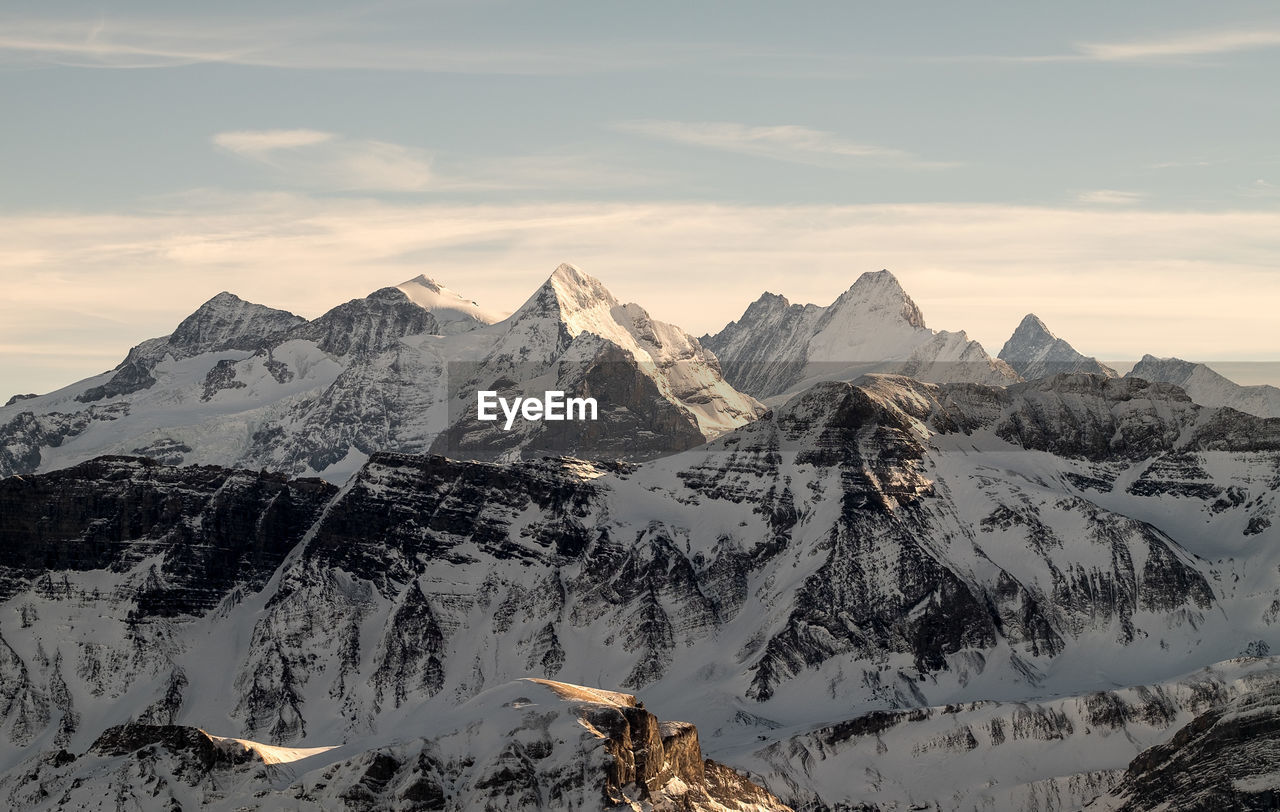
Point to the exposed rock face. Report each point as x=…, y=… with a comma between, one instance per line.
x=1207, y=387
x=1034, y=352
x=1225, y=758
x=227, y=322
x=529, y=745
x=365, y=327
x=198, y=531
x=779, y=348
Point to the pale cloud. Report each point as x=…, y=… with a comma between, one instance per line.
x=317, y=159
x=783, y=142
x=1187, y=44
x=1110, y=197
x=1170, y=48
x=1260, y=188
x=258, y=142
x=323, y=160
x=1116, y=283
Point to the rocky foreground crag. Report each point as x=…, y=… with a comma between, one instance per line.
x=528, y=745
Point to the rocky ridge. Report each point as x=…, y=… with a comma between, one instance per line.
x=1207, y=387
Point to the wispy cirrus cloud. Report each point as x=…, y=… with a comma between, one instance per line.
x=321, y=42
x=784, y=142
x=260, y=142
x=1187, y=44
x=317, y=159
x=1110, y=197
x=1172, y=48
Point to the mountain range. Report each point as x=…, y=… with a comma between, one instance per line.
x=973, y=592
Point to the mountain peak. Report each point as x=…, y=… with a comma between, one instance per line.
x=880, y=292
x=425, y=281
x=453, y=312
x=228, y=322
x=1031, y=324
x=572, y=283
x=1035, y=352
x=567, y=292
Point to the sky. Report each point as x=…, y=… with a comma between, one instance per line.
x=1113, y=168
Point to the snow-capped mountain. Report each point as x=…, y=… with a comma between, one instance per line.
x=1208, y=387
x=660, y=390
x=1034, y=352
x=239, y=384
x=777, y=348
x=880, y=546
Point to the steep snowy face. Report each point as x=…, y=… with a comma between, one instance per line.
x=1207, y=387
x=1034, y=352
x=452, y=311
x=778, y=348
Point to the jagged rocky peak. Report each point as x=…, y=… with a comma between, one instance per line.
x=777, y=348
x=363, y=327
x=453, y=312
x=660, y=390
x=1035, y=352
x=228, y=322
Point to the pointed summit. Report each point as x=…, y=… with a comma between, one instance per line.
x=228, y=322
x=1031, y=326
x=579, y=291
x=878, y=294
x=1035, y=352
x=576, y=299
